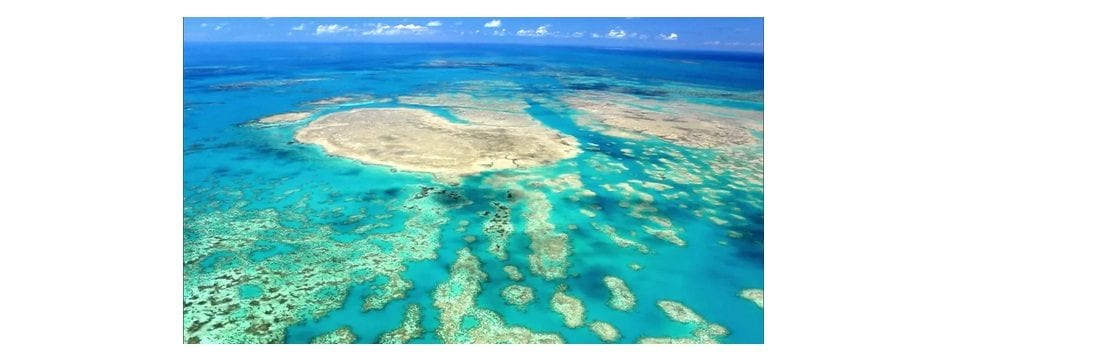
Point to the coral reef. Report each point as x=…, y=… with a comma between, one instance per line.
x=518, y=295
x=753, y=295
x=605, y=331
x=513, y=273
x=681, y=122
x=347, y=99
x=498, y=229
x=702, y=330
x=342, y=335
x=247, y=276
x=618, y=240
x=568, y=306
x=455, y=300
x=621, y=297
x=550, y=249
x=410, y=327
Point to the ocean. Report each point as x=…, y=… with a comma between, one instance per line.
x=284, y=243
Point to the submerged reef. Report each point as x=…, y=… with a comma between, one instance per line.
x=342, y=335
x=569, y=307
x=347, y=99
x=419, y=141
x=248, y=276
x=752, y=295
x=513, y=273
x=617, y=239
x=518, y=295
x=410, y=327
x=550, y=249
x=455, y=300
x=621, y=297
x=498, y=229
x=605, y=331
x=263, y=84
x=677, y=121
x=702, y=330
x=525, y=202
x=641, y=206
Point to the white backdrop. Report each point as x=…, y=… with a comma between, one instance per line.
x=941, y=178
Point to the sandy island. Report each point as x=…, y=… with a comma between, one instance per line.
x=284, y=118
x=420, y=141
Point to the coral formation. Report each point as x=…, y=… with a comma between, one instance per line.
x=753, y=295
x=410, y=327
x=247, y=276
x=455, y=299
x=605, y=331
x=342, y=335
x=702, y=330
x=513, y=273
x=518, y=295
x=621, y=297
x=498, y=229
x=568, y=306
x=681, y=122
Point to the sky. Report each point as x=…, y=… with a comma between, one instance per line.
x=719, y=34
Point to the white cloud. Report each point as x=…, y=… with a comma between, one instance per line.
x=540, y=31
x=382, y=29
x=410, y=27
x=577, y=34
x=298, y=28
x=616, y=33
x=501, y=32
x=672, y=36
x=595, y=35
x=711, y=43
x=493, y=23
x=434, y=24
x=217, y=27
x=204, y=25
x=329, y=29
x=379, y=29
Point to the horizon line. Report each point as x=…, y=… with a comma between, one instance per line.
x=640, y=48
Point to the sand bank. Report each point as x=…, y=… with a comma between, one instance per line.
x=420, y=141
x=284, y=118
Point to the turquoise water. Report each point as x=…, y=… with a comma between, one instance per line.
x=273, y=223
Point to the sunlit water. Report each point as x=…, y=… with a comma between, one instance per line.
x=235, y=171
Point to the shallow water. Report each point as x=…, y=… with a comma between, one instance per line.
x=310, y=205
